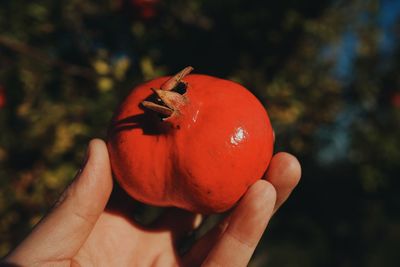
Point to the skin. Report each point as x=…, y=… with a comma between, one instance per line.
x=90, y=226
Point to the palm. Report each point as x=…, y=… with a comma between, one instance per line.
x=118, y=240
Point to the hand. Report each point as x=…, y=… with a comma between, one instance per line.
x=82, y=231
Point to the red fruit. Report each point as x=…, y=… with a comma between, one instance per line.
x=196, y=144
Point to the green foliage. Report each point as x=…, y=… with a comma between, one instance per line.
x=65, y=66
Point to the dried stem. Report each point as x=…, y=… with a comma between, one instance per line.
x=158, y=108
x=176, y=79
x=171, y=101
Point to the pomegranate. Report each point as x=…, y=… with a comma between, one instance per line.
x=194, y=141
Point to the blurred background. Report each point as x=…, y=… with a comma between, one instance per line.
x=327, y=72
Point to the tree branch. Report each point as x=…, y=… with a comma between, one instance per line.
x=22, y=48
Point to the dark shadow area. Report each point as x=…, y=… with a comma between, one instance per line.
x=4, y=264
x=148, y=122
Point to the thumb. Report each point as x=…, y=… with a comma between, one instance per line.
x=63, y=231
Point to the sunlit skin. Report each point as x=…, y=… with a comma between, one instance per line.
x=89, y=226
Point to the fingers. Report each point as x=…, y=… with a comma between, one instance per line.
x=62, y=232
x=179, y=222
x=246, y=226
x=284, y=174
x=203, y=246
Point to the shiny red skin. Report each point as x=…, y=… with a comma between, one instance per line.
x=202, y=160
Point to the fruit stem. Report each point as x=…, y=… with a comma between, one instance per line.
x=158, y=108
x=176, y=79
x=169, y=101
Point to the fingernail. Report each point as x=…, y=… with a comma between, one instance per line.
x=85, y=160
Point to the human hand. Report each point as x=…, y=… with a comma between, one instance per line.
x=82, y=231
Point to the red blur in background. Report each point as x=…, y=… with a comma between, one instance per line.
x=3, y=99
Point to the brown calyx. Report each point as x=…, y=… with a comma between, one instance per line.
x=169, y=99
